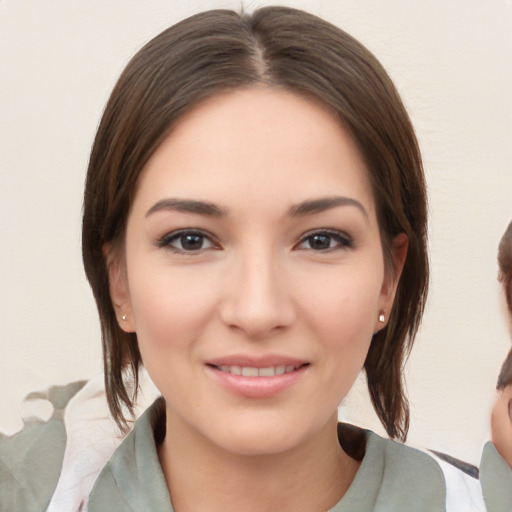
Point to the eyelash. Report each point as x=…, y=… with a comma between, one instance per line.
x=166, y=241
x=342, y=241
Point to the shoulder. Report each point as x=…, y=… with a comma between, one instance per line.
x=396, y=475
x=453, y=480
x=408, y=472
x=496, y=480
x=133, y=479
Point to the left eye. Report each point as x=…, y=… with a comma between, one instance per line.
x=186, y=241
x=324, y=241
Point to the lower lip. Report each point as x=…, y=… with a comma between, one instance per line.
x=257, y=387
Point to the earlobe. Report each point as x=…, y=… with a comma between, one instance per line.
x=118, y=287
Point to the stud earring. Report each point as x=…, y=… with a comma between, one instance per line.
x=123, y=318
x=382, y=318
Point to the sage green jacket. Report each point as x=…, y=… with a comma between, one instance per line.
x=392, y=477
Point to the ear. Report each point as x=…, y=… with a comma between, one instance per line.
x=392, y=275
x=118, y=287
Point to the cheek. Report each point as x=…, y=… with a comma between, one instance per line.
x=170, y=307
x=501, y=426
x=341, y=315
x=344, y=305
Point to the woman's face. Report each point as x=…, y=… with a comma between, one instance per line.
x=253, y=271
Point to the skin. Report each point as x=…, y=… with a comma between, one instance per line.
x=501, y=414
x=501, y=423
x=258, y=285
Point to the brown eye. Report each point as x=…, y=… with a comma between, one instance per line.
x=325, y=241
x=191, y=242
x=187, y=241
x=320, y=242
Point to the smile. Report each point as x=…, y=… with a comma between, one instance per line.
x=251, y=371
x=257, y=380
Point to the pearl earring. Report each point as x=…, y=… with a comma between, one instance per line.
x=123, y=318
x=382, y=318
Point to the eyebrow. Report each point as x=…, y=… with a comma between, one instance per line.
x=188, y=206
x=322, y=204
x=309, y=207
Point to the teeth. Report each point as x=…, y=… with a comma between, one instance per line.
x=250, y=371
x=280, y=369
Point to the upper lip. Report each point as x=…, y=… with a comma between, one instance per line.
x=256, y=361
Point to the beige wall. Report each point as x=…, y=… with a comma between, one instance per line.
x=452, y=61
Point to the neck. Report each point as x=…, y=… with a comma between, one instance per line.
x=201, y=476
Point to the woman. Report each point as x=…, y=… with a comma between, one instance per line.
x=254, y=233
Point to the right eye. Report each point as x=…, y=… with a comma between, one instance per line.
x=186, y=241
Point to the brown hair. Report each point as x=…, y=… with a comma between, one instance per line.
x=505, y=277
x=505, y=264
x=217, y=51
x=505, y=376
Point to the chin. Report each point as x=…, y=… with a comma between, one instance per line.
x=253, y=443
x=265, y=435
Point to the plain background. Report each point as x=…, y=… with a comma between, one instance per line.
x=452, y=62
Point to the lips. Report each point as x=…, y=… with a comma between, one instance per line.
x=257, y=378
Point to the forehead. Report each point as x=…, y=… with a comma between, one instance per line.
x=264, y=140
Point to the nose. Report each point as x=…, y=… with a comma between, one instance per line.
x=257, y=299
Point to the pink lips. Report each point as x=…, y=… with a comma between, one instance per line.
x=256, y=377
